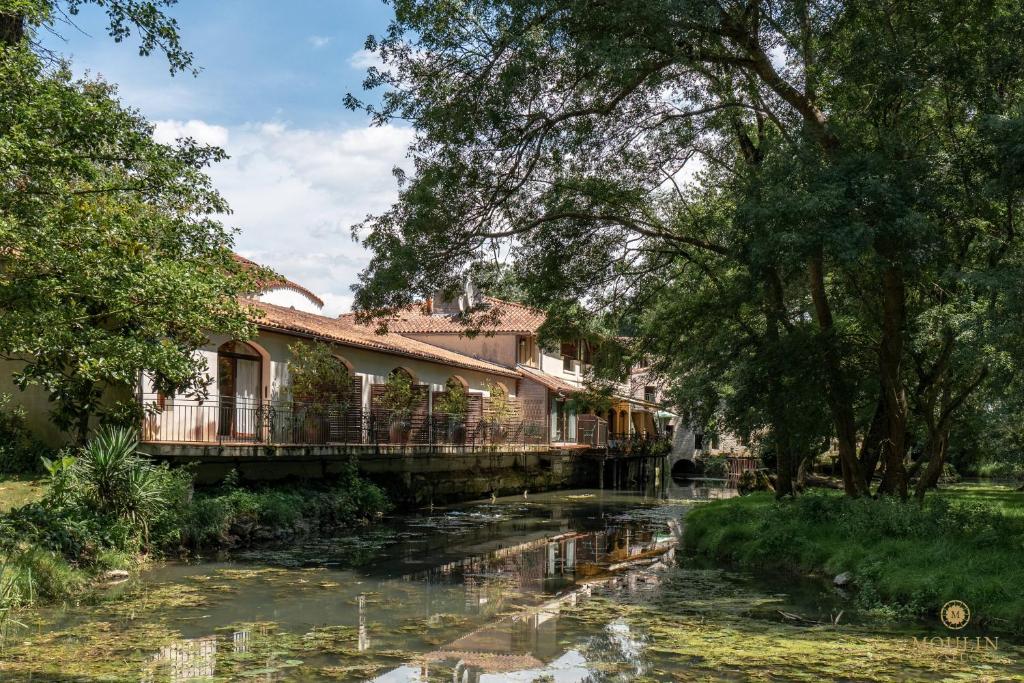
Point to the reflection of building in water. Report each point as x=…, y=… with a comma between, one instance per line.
x=546, y=565
x=240, y=641
x=566, y=568
x=364, y=635
x=184, y=660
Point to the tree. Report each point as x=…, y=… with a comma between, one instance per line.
x=318, y=377
x=112, y=263
x=848, y=172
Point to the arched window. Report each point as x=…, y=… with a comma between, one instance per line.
x=403, y=371
x=239, y=384
x=454, y=381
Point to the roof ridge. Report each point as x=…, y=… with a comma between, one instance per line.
x=512, y=303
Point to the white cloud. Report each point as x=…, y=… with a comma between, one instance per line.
x=319, y=41
x=296, y=193
x=364, y=59
x=167, y=132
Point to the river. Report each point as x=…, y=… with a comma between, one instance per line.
x=566, y=586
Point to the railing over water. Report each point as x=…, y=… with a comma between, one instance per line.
x=242, y=421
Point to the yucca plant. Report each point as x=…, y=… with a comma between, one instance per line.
x=105, y=464
x=116, y=480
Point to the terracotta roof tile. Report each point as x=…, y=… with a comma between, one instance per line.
x=495, y=316
x=344, y=332
x=550, y=381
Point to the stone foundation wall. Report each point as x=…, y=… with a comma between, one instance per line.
x=414, y=476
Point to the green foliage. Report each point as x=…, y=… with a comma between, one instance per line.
x=1001, y=469
x=595, y=397
x=398, y=396
x=20, y=451
x=963, y=544
x=715, y=466
x=108, y=505
x=499, y=402
x=156, y=31
x=454, y=401
x=107, y=499
x=318, y=378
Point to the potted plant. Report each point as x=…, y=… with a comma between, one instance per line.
x=398, y=400
x=321, y=387
x=453, y=403
x=500, y=409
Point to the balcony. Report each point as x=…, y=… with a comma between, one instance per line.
x=288, y=423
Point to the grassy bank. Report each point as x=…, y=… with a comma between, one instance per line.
x=105, y=512
x=965, y=543
x=20, y=489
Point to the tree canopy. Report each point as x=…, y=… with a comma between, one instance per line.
x=111, y=260
x=806, y=209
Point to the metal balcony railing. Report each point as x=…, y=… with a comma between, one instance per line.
x=236, y=421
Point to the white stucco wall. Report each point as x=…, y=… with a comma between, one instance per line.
x=36, y=403
x=551, y=363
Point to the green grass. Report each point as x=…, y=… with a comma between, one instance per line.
x=17, y=490
x=966, y=543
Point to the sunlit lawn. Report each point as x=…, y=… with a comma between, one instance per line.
x=18, y=490
x=1003, y=497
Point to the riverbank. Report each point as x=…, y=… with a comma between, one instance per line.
x=901, y=559
x=61, y=541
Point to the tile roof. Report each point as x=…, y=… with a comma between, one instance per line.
x=495, y=316
x=346, y=332
x=550, y=381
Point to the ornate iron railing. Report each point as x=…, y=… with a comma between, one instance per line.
x=231, y=420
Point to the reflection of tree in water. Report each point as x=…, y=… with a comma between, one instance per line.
x=616, y=653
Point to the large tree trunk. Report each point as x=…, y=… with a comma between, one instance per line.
x=935, y=451
x=894, y=479
x=838, y=394
x=871, y=447
x=774, y=310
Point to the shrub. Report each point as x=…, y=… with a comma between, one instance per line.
x=716, y=466
x=1002, y=469
x=20, y=451
x=112, y=480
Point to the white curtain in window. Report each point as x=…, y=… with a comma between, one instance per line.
x=247, y=394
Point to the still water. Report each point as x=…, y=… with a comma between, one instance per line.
x=567, y=586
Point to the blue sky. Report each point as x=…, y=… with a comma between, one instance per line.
x=261, y=59
x=303, y=169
